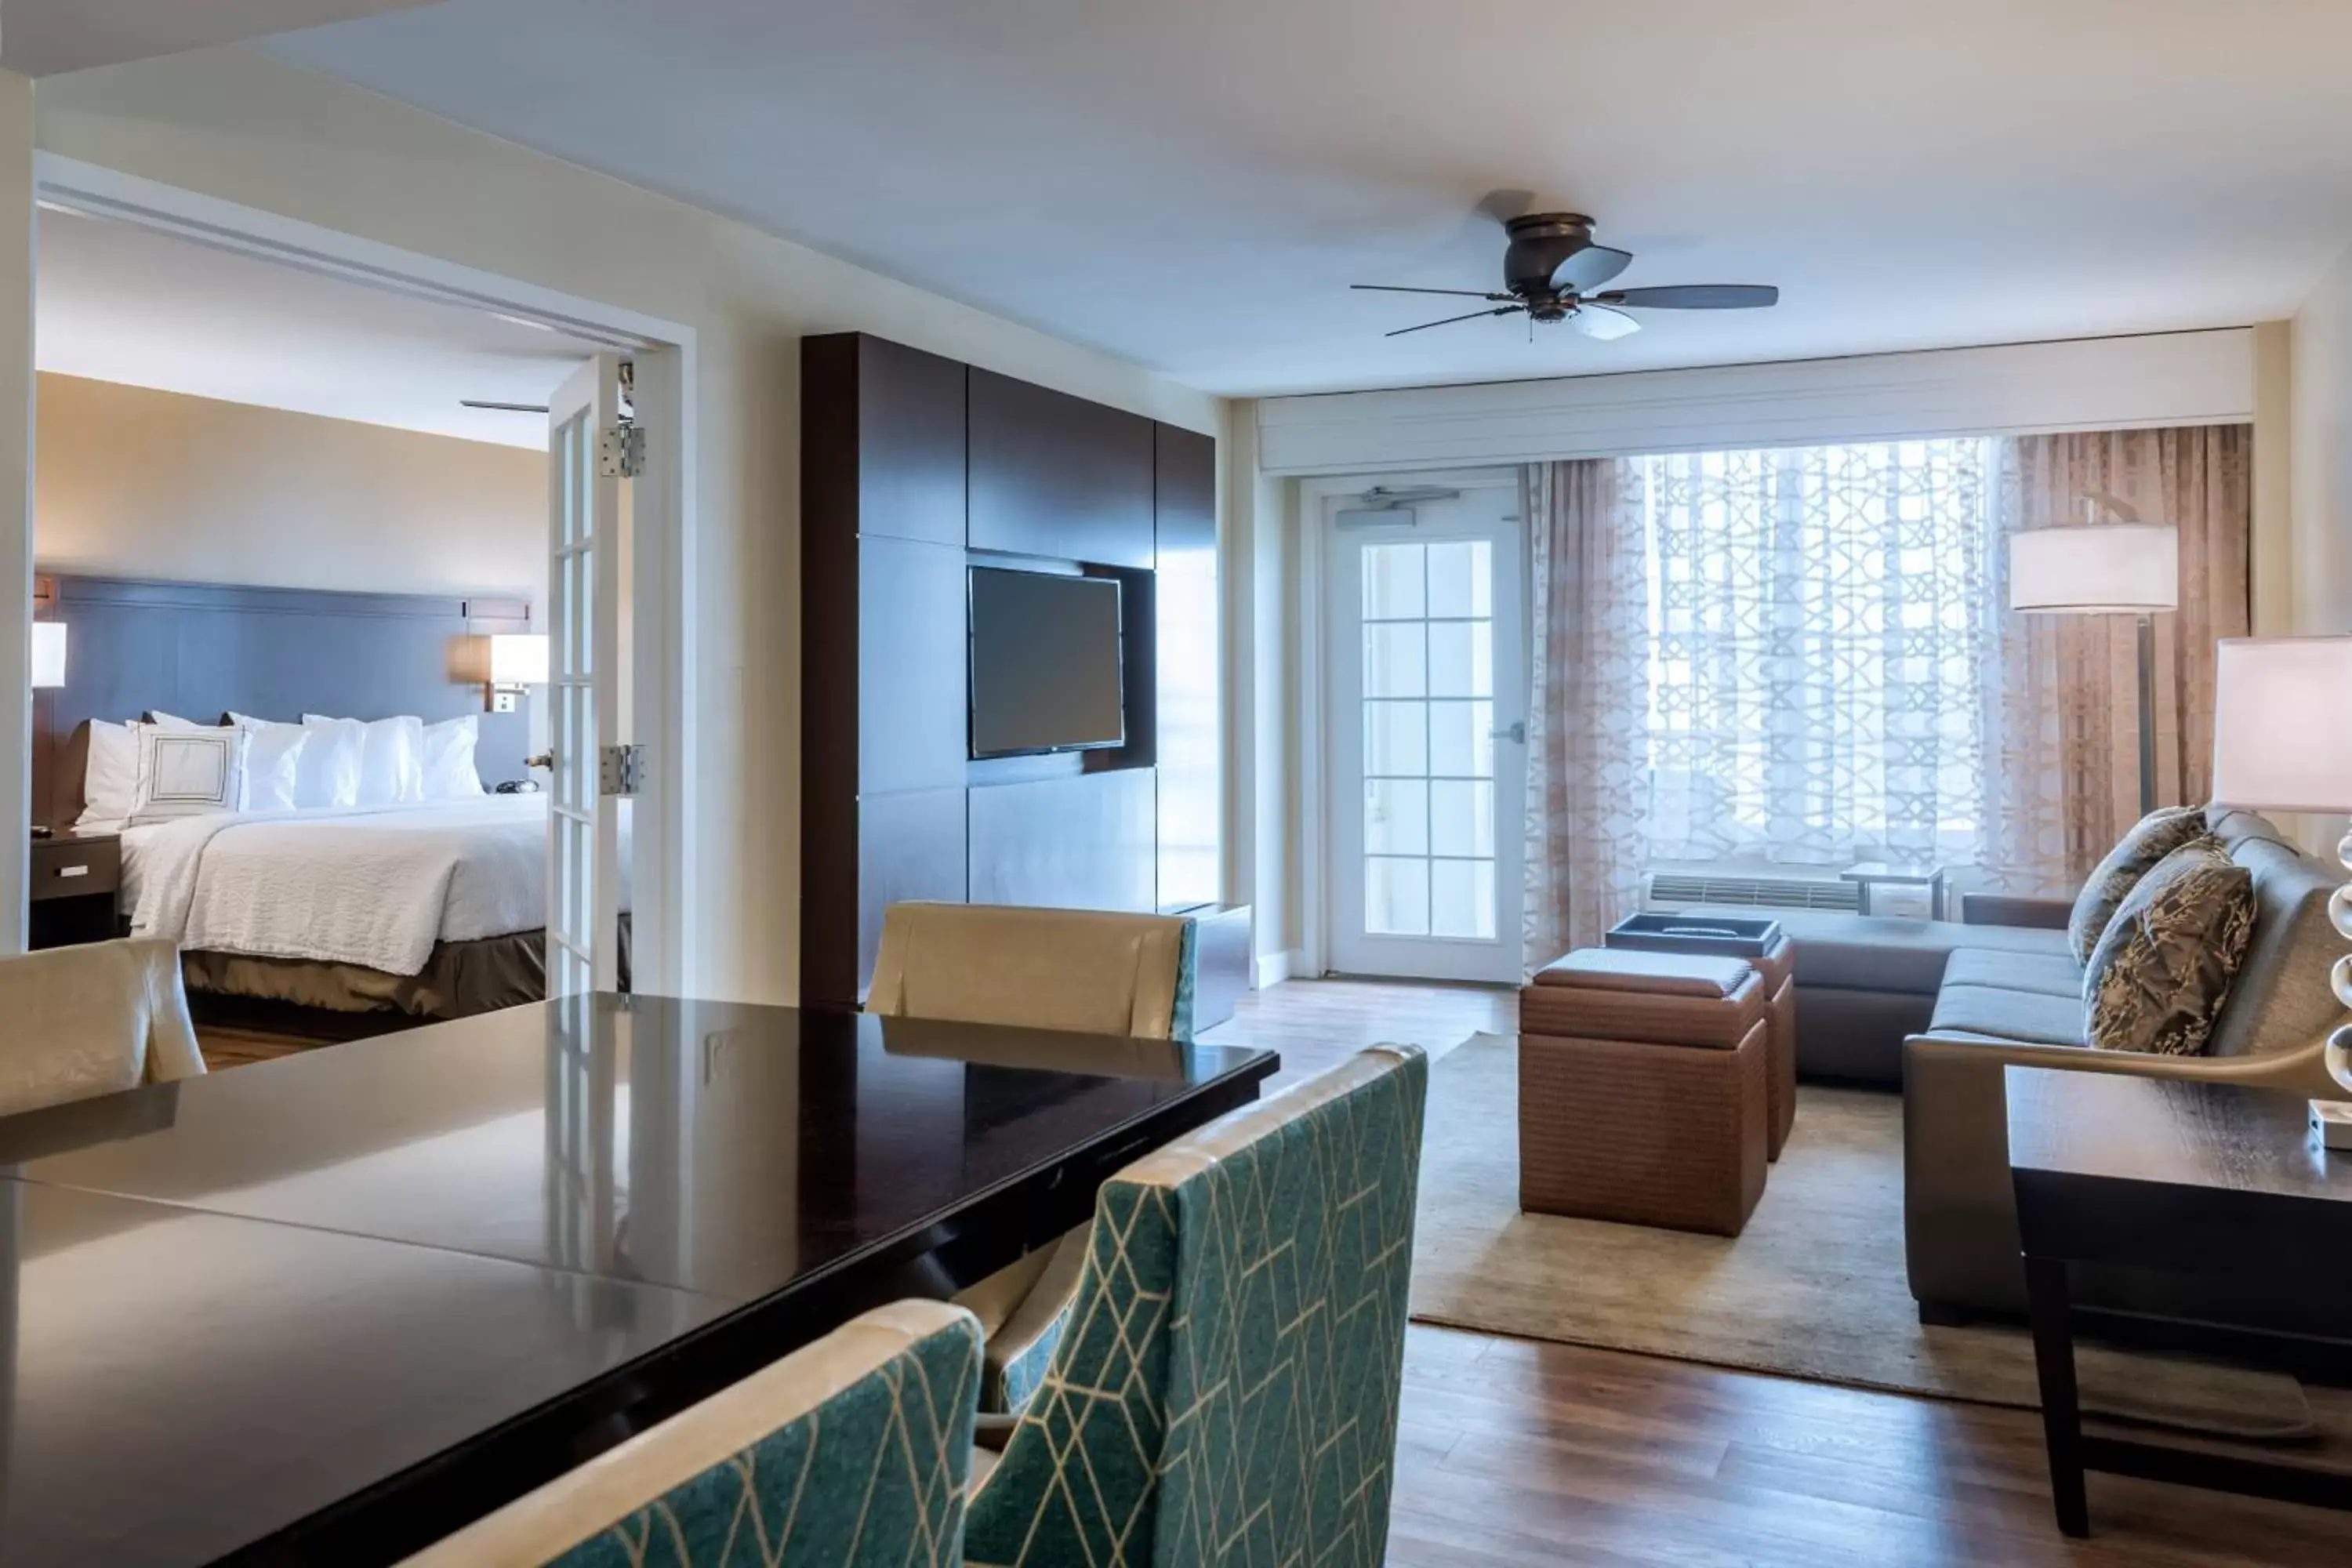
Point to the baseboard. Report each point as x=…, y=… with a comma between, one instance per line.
x=1273, y=968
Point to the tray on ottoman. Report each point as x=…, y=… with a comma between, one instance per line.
x=1695, y=933
x=1643, y=1090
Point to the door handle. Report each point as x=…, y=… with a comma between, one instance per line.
x=1516, y=733
x=544, y=760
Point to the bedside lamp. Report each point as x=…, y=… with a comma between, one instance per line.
x=49, y=667
x=2126, y=568
x=2280, y=744
x=518, y=661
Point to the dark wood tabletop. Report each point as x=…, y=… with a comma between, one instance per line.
x=325, y=1309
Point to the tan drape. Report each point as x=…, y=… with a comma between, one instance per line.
x=1588, y=797
x=2066, y=783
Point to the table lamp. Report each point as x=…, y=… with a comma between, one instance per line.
x=2280, y=744
x=2123, y=568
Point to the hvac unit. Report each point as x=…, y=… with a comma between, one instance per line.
x=1670, y=892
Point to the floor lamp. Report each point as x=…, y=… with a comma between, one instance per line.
x=2280, y=744
x=2122, y=568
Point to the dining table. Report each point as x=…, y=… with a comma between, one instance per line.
x=328, y=1308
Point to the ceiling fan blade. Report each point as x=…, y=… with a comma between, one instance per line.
x=1406, y=288
x=1600, y=322
x=1589, y=268
x=503, y=407
x=1696, y=296
x=1474, y=315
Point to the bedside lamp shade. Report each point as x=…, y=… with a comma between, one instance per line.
x=48, y=654
x=2282, y=740
x=2115, y=568
x=517, y=659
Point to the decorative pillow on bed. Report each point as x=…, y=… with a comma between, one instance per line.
x=109, y=779
x=273, y=764
x=449, y=770
x=2148, y=841
x=187, y=772
x=391, y=758
x=2166, y=964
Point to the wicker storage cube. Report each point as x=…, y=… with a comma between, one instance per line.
x=1645, y=1091
x=1777, y=969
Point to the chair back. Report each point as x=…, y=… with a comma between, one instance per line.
x=1090, y=971
x=854, y=1450
x=1226, y=1389
x=81, y=1021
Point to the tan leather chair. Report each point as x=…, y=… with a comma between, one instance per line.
x=76, y=1022
x=1091, y=972
x=1087, y=971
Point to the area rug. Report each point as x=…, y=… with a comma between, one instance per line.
x=1812, y=1288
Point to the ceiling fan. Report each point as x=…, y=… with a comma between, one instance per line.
x=1554, y=272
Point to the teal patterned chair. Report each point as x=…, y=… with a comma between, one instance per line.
x=1079, y=972
x=1226, y=1389
x=854, y=1450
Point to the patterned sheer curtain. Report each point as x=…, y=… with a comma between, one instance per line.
x=2061, y=716
x=1821, y=619
x=1588, y=742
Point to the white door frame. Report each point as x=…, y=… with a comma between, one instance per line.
x=664, y=518
x=1316, y=850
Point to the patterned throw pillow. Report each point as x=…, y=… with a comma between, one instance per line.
x=2164, y=967
x=2148, y=840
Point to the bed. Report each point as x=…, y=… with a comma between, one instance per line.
x=325, y=921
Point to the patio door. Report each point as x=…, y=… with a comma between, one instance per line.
x=1425, y=763
x=588, y=452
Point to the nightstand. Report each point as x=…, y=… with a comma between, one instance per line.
x=75, y=877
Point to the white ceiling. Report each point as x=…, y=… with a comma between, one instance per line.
x=1192, y=186
x=120, y=303
x=41, y=37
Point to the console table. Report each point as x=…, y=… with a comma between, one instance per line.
x=2192, y=1177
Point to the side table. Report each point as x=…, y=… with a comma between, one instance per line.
x=2167, y=1174
x=1869, y=874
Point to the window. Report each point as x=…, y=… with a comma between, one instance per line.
x=1819, y=618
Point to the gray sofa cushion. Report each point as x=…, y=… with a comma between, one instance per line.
x=2034, y=1017
x=2282, y=998
x=1875, y=952
x=2044, y=974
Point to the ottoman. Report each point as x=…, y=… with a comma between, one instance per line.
x=1777, y=967
x=1644, y=1090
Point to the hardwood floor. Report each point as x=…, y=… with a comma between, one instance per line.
x=1517, y=1451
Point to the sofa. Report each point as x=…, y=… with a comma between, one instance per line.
x=1940, y=1009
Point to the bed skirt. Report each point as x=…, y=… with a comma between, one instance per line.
x=460, y=978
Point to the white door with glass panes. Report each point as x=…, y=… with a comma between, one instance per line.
x=1424, y=721
x=586, y=420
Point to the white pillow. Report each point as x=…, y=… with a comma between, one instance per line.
x=109, y=780
x=391, y=757
x=187, y=772
x=448, y=754
x=273, y=764
x=327, y=774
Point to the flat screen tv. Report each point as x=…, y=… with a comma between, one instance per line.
x=1045, y=663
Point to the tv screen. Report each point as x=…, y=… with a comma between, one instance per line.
x=1045, y=663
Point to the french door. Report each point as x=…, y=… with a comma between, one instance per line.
x=584, y=886
x=1426, y=755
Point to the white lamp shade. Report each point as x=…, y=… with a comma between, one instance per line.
x=49, y=653
x=2116, y=568
x=517, y=659
x=2281, y=741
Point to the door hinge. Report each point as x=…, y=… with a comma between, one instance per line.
x=621, y=452
x=621, y=770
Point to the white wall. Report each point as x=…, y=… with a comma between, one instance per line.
x=226, y=492
x=2322, y=456
x=253, y=131
x=15, y=488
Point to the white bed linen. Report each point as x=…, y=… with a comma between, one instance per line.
x=376, y=886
